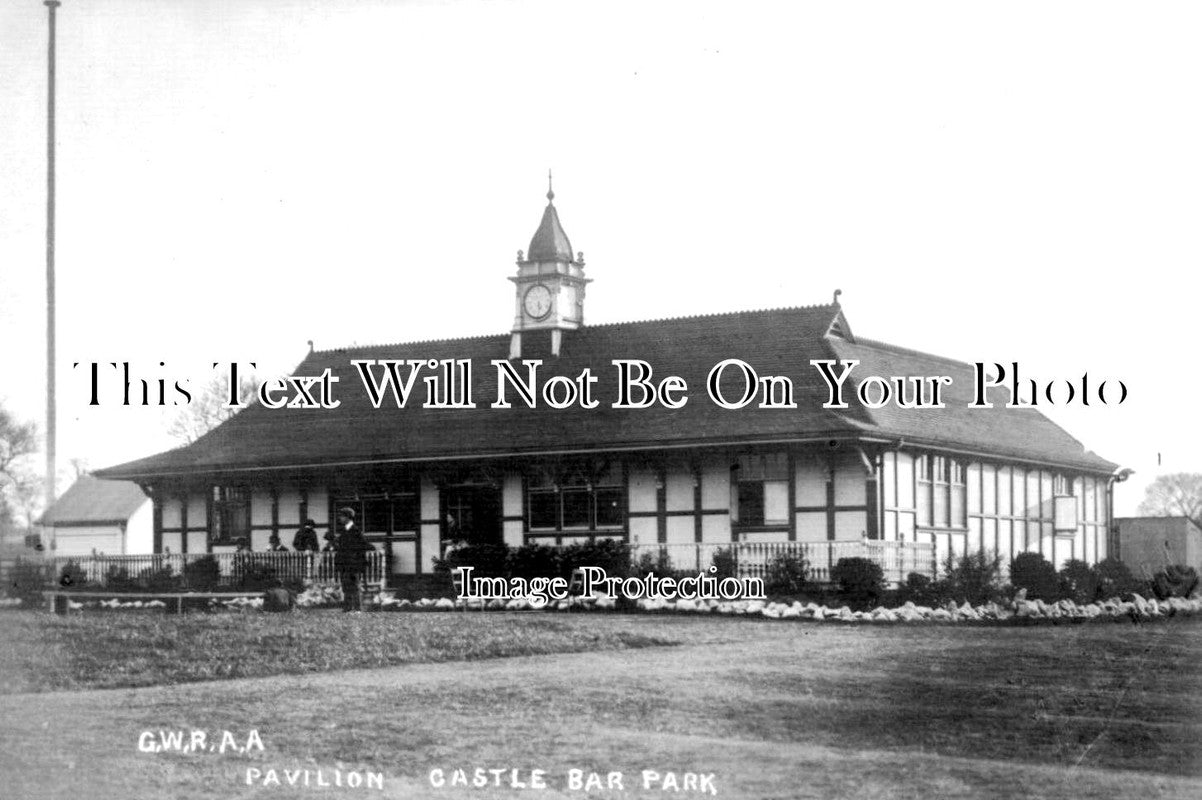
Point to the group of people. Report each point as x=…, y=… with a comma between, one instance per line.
x=347, y=543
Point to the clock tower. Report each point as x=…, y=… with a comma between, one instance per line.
x=549, y=286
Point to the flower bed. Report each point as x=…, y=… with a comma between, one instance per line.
x=1020, y=610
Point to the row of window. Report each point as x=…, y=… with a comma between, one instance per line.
x=941, y=495
x=595, y=500
x=946, y=494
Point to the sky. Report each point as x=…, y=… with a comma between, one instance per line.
x=1012, y=182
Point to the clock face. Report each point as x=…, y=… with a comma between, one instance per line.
x=537, y=301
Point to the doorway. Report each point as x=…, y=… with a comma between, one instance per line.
x=473, y=514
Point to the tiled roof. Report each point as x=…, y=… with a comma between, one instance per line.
x=91, y=499
x=774, y=342
x=1020, y=433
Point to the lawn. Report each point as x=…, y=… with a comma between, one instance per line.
x=771, y=709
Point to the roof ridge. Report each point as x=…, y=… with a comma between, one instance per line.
x=344, y=348
x=879, y=345
x=715, y=314
x=479, y=337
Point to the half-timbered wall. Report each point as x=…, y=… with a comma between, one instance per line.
x=996, y=507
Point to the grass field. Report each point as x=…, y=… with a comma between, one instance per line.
x=771, y=709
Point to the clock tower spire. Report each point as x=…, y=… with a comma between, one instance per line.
x=549, y=285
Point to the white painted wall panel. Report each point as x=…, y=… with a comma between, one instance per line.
x=198, y=517
x=811, y=483
x=811, y=526
x=642, y=490
x=715, y=528
x=679, y=490
x=512, y=533
x=197, y=542
x=850, y=525
x=171, y=512
x=643, y=530
x=511, y=495
x=289, y=509
x=429, y=499
x=319, y=507
x=681, y=530
x=260, y=507
x=139, y=533
x=715, y=486
x=430, y=547
x=849, y=484
x=404, y=558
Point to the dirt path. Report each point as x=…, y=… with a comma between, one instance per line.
x=796, y=716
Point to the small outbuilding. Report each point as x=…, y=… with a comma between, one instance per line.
x=1149, y=544
x=97, y=516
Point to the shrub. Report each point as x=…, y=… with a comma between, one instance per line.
x=161, y=579
x=1176, y=580
x=861, y=581
x=253, y=574
x=118, y=579
x=28, y=580
x=72, y=576
x=611, y=556
x=1033, y=572
x=486, y=560
x=1115, y=579
x=659, y=563
x=974, y=578
x=1079, y=582
x=786, y=575
x=203, y=574
x=725, y=564
x=917, y=589
x=533, y=561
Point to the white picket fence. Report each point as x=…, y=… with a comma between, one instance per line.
x=896, y=559
x=99, y=571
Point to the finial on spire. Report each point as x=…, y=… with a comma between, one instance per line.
x=550, y=191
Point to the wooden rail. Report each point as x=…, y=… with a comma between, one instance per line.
x=752, y=559
x=214, y=570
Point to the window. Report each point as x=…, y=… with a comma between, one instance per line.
x=581, y=499
x=941, y=492
x=941, y=474
x=231, y=515
x=923, y=464
x=383, y=514
x=760, y=489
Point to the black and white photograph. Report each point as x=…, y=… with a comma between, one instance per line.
x=525, y=399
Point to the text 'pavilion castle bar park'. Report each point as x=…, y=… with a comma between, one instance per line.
x=903, y=486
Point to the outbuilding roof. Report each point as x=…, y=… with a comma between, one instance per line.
x=95, y=501
x=776, y=342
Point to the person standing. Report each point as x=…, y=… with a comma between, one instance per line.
x=350, y=559
x=305, y=540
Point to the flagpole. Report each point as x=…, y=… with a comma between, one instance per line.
x=52, y=5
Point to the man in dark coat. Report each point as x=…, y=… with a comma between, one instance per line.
x=350, y=559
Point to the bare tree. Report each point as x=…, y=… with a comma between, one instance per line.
x=19, y=485
x=208, y=408
x=17, y=440
x=1176, y=495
